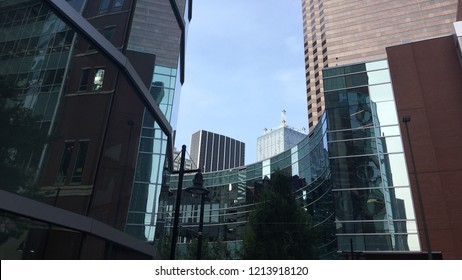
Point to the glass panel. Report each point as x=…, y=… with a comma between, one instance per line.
x=379, y=77
x=405, y=203
x=351, y=148
x=398, y=170
x=388, y=131
x=356, y=172
x=380, y=93
x=80, y=162
x=65, y=162
x=98, y=79
x=382, y=64
x=350, y=134
x=84, y=75
x=386, y=112
x=390, y=144
x=104, y=6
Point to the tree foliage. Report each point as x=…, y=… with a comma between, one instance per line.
x=278, y=228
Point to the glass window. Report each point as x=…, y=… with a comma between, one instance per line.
x=84, y=75
x=117, y=5
x=98, y=79
x=80, y=162
x=379, y=77
x=65, y=162
x=379, y=93
x=108, y=32
x=103, y=8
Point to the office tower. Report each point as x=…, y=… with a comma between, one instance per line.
x=88, y=89
x=277, y=140
x=426, y=78
x=213, y=152
x=338, y=32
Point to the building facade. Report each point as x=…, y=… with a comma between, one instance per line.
x=89, y=135
x=340, y=32
x=427, y=83
x=349, y=174
x=277, y=140
x=213, y=152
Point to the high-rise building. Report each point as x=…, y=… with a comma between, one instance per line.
x=340, y=32
x=277, y=140
x=212, y=152
x=88, y=90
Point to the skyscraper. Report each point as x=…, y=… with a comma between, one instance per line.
x=338, y=32
x=88, y=88
x=212, y=152
x=277, y=140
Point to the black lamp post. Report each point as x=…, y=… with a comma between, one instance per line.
x=176, y=216
x=198, y=189
x=406, y=120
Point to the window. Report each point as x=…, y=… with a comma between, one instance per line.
x=70, y=161
x=104, y=7
x=65, y=162
x=84, y=75
x=98, y=79
x=110, y=6
x=80, y=162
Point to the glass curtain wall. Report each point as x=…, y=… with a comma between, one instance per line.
x=373, y=203
x=233, y=194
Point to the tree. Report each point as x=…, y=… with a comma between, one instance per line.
x=278, y=228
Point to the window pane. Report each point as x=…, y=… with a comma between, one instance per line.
x=104, y=6
x=80, y=162
x=65, y=162
x=98, y=80
x=84, y=74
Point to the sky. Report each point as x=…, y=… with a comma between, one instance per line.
x=244, y=65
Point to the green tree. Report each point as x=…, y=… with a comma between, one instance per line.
x=278, y=228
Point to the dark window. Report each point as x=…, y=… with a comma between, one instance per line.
x=80, y=162
x=309, y=106
x=108, y=32
x=318, y=91
x=310, y=115
x=104, y=7
x=318, y=100
x=65, y=162
x=117, y=5
x=84, y=75
x=319, y=109
x=69, y=161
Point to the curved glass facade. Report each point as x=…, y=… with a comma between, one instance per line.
x=232, y=196
x=349, y=173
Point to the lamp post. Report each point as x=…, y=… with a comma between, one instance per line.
x=176, y=216
x=406, y=120
x=198, y=189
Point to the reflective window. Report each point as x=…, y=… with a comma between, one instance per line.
x=98, y=79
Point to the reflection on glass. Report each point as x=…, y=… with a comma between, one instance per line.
x=383, y=92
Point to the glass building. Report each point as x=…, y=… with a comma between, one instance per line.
x=87, y=106
x=349, y=173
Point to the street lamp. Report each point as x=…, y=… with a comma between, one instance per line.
x=198, y=189
x=406, y=120
x=176, y=216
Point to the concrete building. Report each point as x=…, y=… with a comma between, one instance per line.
x=338, y=32
x=89, y=89
x=277, y=140
x=213, y=152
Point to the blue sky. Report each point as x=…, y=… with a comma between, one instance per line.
x=244, y=65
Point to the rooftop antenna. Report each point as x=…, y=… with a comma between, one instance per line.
x=283, y=118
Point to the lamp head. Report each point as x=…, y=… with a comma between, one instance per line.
x=198, y=185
